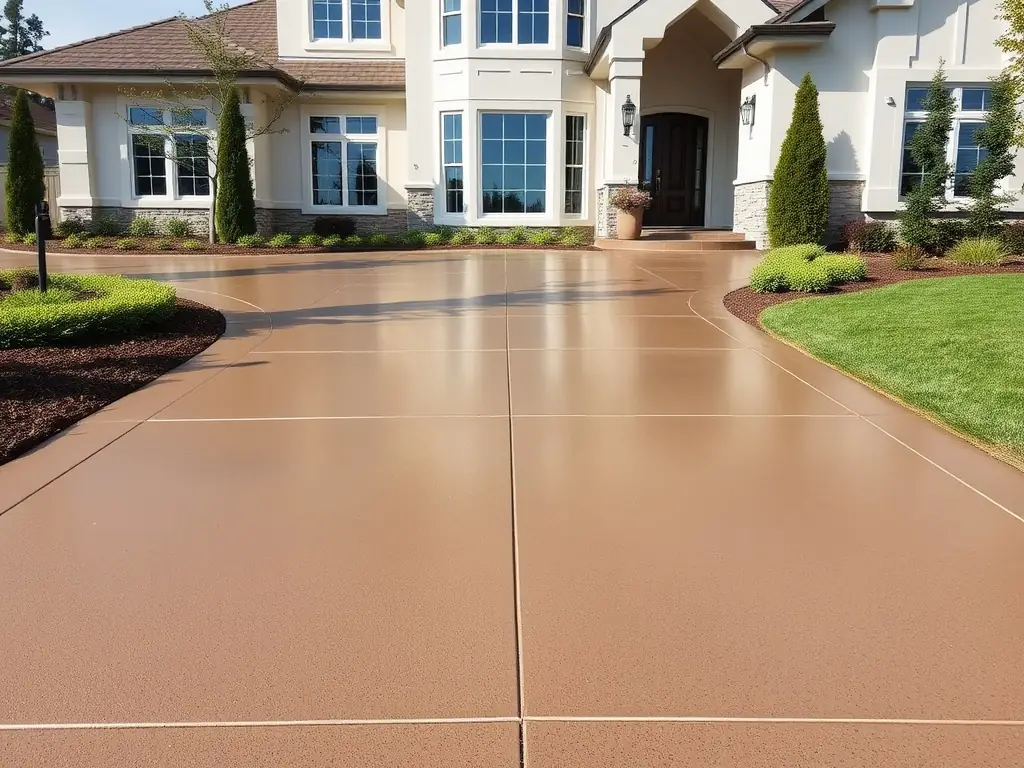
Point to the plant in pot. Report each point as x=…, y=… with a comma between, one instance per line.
x=630, y=203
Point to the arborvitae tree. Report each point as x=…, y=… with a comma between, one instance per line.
x=798, y=200
x=998, y=137
x=236, y=206
x=928, y=151
x=25, y=186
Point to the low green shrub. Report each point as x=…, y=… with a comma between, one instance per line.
x=909, y=257
x=30, y=239
x=946, y=234
x=312, y=239
x=163, y=244
x=176, y=227
x=979, y=251
x=573, y=237
x=96, y=243
x=72, y=241
x=249, y=241
x=805, y=268
x=378, y=239
x=105, y=226
x=541, y=237
x=127, y=244
x=115, y=307
x=485, y=236
x=333, y=241
x=517, y=235
x=192, y=245
x=281, y=240
x=869, y=237
x=12, y=237
x=413, y=239
x=433, y=239
x=352, y=241
x=70, y=226
x=142, y=227
x=463, y=236
x=20, y=279
x=1012, y=238
x=32, y=297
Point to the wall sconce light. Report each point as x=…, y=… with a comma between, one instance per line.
x=628, y=116
x=748, y=109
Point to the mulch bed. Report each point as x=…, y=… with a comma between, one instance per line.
x=747, y=305
x=47, y=389
x=146, y=247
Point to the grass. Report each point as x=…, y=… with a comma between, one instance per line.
x=950, y=347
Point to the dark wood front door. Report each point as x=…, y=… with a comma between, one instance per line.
x=673, y=167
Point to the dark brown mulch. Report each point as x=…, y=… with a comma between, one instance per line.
x=47, y=389
x=747, y=305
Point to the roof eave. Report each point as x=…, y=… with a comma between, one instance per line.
x=809, y=33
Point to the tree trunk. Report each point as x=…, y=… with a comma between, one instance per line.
x=213, y=210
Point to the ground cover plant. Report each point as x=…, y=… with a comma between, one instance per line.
x=806, y=269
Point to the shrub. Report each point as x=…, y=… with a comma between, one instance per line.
x=997, y=138
x=507, y=238
x=25, y=185
x=12, y=238
x=333, y=241
x=798, y=198
x=72, y=241
x=163, y=244
x=141, y=227
x=463, y=236
x=519, y=234
x=541, y=237
x=127, y=244
x=192, y=245
x=312, y=240
x=573, y=237
x=72, y=225
x=413, y=238
x=340, y=226
x=485, y=236
x=249, y=241
x=379, y=240
x=116, y=307
x=869, y=236
x=1012, y=238
x=630, y=199
x=945, y=233
x=353, y=241
x=176, y=227
x=979, y=251
x=909, y=257
x=96, y=243
x=20, y=279
x=281, y=240
x=236, y=205
x=805, y=268
x=105, y=226
x=433, y=239
x=30, y=297
x=30, y=239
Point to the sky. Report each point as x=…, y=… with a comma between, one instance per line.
x=69, y=21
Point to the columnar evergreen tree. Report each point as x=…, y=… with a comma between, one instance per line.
x=798, y=200
x=998, y=137
x=25, y=186
x=928, y=151
x=236, y=206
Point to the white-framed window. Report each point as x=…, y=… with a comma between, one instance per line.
x=575, y=152
x=347, y=20
x=451, y=161
x=166, y=161
x=574, y=23
x=344, y=161
x=516, y=22
x=513, y=162
x=451, y=22
x=963, y=152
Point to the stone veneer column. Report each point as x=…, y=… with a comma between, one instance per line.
x=846, y=204
x=420, y=214
x=607, y=216
x=750, y=211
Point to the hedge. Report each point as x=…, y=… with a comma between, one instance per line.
x=807, y=269
x=112, y=307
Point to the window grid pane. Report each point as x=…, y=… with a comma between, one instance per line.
x=364, y=126
x=514, y=163
x=574, y=24
x=195, y=117
x=575, y=132
x=362, y=173
x=149, y=166
x=192, y=158
x=366, y=20
x=451, y=22
x=327, y=159
x=968, y=155
x=451, y=139
x=533, y=21
x=911, y=174
x=327, y=19
x=145, y=116
x=331, y=125
x=495, y=21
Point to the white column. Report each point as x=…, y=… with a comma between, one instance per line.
x=622, y=153
x=77, y=183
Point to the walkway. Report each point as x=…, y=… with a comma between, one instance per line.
x=464, y=510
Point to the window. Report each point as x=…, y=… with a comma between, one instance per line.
x=963, y=152
x=165, y=162
x=451, y=141
x=575, y=133
x=364, y=19
x=531, y=16
x=344, y=161
x=513, y=171
x=574, y=23
x=451, y=22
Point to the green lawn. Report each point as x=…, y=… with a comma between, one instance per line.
x=953, y=347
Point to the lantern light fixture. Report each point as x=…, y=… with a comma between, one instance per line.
x=628, y=116
x=748, y=109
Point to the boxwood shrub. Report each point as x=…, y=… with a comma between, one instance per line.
x=81, y=308
x=805, y=268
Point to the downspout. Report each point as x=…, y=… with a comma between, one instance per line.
x=762, y=62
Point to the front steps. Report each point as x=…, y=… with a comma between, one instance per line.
x=673, y=240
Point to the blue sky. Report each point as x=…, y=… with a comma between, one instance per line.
x=69, y=21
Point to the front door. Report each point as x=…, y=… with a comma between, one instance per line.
x=673, y=167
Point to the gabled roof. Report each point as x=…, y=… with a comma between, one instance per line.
x=162, y=48
x=44, y=118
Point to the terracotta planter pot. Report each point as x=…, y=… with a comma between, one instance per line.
x=629, y=224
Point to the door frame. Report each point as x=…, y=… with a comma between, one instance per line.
x=709, y=162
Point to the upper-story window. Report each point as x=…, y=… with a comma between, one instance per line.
x=347, y=19
x=451, y=22
x=574, y=18
x=514, y=21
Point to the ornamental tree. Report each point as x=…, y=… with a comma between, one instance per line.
x=25, y=186
x=997, y=137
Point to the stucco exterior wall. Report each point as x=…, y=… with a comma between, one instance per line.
x=295, y=34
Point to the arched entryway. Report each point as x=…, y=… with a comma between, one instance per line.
x=673, y=167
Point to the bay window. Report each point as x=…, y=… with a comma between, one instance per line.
x=167, y=159
x=574, y=18
x=513, y=168
x=343, y=153
x=347, y=20
x=523, y=22
x=454, y=184
x=451, y=22
x=963, y=152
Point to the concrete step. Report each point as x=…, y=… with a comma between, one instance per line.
x=676, y=246
x=691, y=234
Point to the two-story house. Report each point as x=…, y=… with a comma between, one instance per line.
x=528, y=112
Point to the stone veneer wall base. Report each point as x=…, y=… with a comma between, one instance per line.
x=607, y=215
x=420, y=214
x=750, y=212
x=197, y=218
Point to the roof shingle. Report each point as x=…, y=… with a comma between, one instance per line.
x=44, y=118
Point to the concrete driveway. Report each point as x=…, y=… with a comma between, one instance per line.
x=492, y=510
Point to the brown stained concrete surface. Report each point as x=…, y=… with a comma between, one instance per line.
x=492, y=509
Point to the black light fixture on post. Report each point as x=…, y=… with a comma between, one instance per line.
x=748, y=109
x=628, y=116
